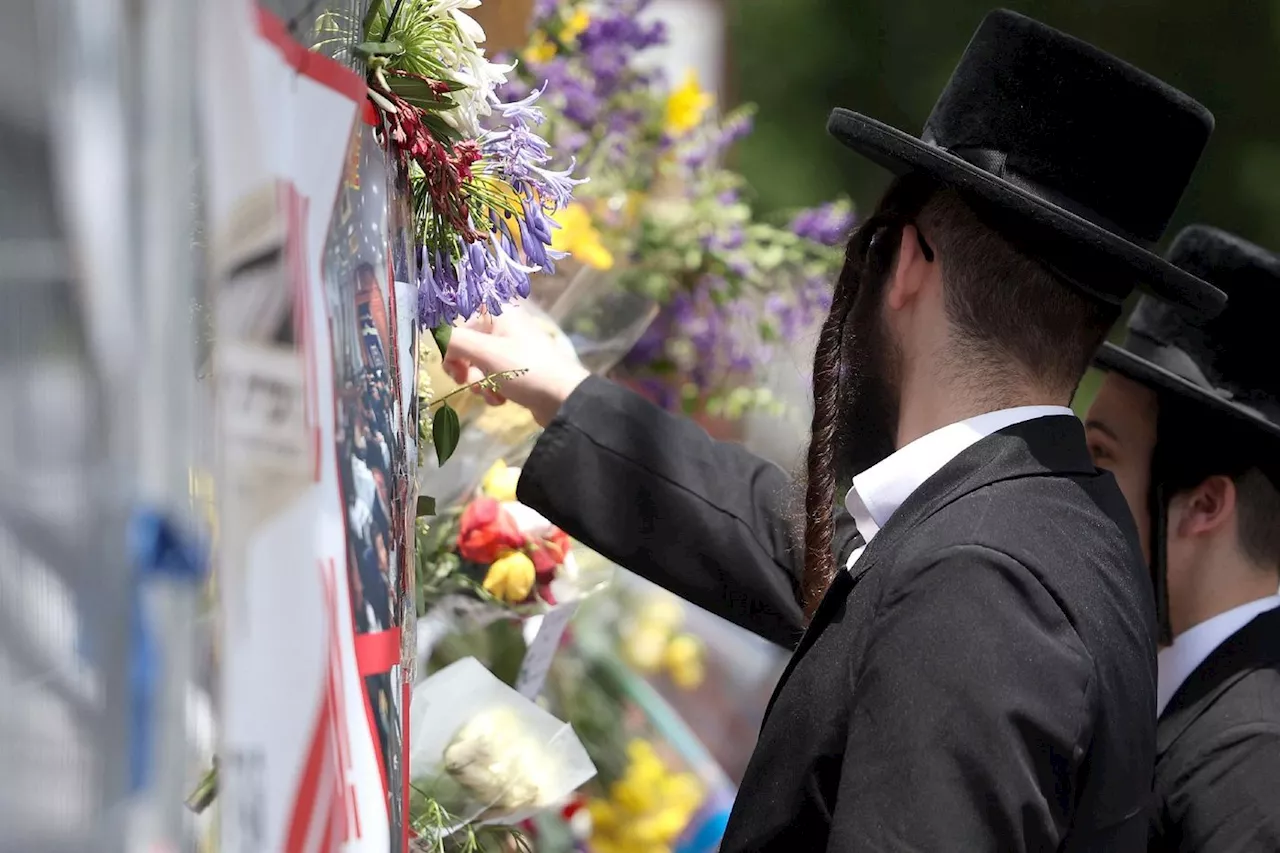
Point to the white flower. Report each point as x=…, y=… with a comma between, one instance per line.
x=481, y=78
x=528, y=522
x=494, y=758
x=443, y=7
x=468, y=28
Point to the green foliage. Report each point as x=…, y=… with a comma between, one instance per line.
x=442, y=334
x=434, y=808
x=446, y=429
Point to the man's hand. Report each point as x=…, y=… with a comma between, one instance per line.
x=515, y=341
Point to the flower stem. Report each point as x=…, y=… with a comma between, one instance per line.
x=391, y=19
x=491, y=382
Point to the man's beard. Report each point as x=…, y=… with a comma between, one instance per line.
x=870, y=364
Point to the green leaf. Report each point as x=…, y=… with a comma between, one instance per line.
x=440, y=128
x=379, y=48
x=436, y=106
x=205, y=793
x=419, y=94
x=445, y=432
x=426, y=505
x=442, y=334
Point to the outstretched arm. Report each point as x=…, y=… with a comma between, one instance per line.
x=653, y=492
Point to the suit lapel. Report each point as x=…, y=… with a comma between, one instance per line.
x=1254, y=646
x=1052, y=445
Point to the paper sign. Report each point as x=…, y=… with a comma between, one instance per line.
x=542, y=649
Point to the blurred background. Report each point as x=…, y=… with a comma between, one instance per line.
x=891, y=58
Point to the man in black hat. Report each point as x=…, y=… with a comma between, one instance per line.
x=1188, y=420
x=978, y=668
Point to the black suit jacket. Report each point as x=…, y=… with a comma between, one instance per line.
x=984, y=678
x=1218, y=750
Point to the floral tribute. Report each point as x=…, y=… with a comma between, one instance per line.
x=484, y=191
x=500, y=550
x=652, y=642
x=665, y=214
x=525, y=554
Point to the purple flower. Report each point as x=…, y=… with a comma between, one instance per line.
x=725, y=241
x=512, y=275
x=512, y=91
x=557, y=185
x=437, y=291
x=535, y=237
x=830, y=224
x=545, y=8
x=703, y=340
x=518, y=152
x=523, y=110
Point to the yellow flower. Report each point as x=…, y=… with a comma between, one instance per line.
x=682, y=789
x=579, y=237
x=661, y=611
x=603, y=816
x=643, y=648
x=576, y=25
x=683, y=660
x=500, y=482
x=539, y=49
x=686, y=105
x=510, y=577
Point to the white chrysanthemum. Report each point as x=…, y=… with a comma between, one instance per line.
x=494, y=758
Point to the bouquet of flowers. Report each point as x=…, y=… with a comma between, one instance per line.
x=481, y=752
x=665, y=214
x=483, y=191
x=501, y=551
x=651, y=641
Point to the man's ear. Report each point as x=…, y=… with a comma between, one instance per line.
x=911, y=269
x=1208, y=507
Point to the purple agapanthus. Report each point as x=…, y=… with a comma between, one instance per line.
x=456, y=284
x=460, y=277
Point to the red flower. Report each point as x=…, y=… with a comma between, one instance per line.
x=446, y=169
x=548, y=553
x=486, y=532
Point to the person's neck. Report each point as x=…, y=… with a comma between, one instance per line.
x=1233, y=581
x=933, y=398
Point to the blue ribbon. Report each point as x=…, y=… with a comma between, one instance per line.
x=159, y=549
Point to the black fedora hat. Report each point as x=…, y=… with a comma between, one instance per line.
x=1083, y=156
x=1228, y=363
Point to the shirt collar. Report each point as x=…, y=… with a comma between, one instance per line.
x=878, y=491
x=1192, y=646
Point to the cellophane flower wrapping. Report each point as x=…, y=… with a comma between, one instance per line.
x=487, y=754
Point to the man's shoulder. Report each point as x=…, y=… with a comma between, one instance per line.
x=1051, y=523
x=1063, y=531
x=1249, y=709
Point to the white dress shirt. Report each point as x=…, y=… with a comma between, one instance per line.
x=1192, y=646
x=878, y=491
